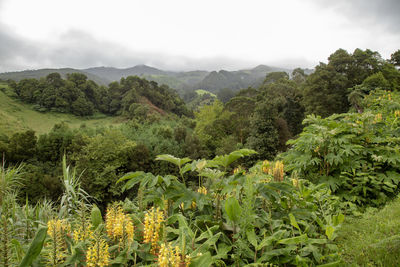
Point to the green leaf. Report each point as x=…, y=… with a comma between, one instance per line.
x=174, y=160
x=96, y=217
x=34, y=248
x=226, y=160
x=338, y=219
x=293, y=221
x=206, y=245
x=233, y=209
x=294, y=240
x=268, y=241
x=329, y=232
x=251, y=236
x=331, y=264
x=204, y=260
x=201, y=164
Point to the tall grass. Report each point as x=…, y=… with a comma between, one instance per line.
x=373, y=239
x=10, y=180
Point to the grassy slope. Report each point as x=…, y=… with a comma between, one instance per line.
x=17, y=116
x=373, y=239
x=202, y=92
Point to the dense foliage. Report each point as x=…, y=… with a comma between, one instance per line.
x=358, y=155
x=326, y=90
x=131, y=97
x=128, y=201
x=225, y=219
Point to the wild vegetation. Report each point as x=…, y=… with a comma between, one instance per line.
x=241, y=182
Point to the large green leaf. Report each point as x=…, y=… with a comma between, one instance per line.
x=95, y=216
x=293, y=221
x=233, y=209
x=329, y=232
x=294, y=240
x=204, y=260
x=174, y=160
x=34, y=248
x=226, y=160
x=251, y=237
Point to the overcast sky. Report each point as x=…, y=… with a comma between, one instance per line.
x=189, y=35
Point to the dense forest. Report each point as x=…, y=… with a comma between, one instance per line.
x=261, y=176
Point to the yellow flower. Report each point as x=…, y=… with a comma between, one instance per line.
x=153, y=220
x=266, y=167
x=378, y=118
x=83, y=233
x=119, y=226
x=171, y=257
x=202, y=190
x=98, y=254
x=278, y=171
x=56, y=249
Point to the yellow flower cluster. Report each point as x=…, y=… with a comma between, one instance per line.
x=55, y=227
x=387, y=95
x=119, y=225
x=98, y=255
x=171, y=257
x=152, y=227
x=378, y=118
x=83, y=232
x=239, y=170
x=278, y=171
x=275, y=169
x=266, y=167
x=57, y=248
x=202, y=190
x=397, y=113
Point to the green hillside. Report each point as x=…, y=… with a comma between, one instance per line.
x=37, y=74
x=202, y=92
x=18, y=116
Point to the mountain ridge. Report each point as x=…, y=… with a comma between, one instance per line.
x=182, y=81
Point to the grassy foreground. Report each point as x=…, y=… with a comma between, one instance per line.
x=17, y=116
x=373, y=239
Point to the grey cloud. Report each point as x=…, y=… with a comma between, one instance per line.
x=79, y=49
x=15, y=52
x=369, y=12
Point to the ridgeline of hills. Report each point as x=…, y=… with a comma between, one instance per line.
x=181, y=81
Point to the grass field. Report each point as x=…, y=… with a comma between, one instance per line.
x=373, y=239
x=16, y=116
x=202, y=92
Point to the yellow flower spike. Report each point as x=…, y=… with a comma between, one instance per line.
x=56, y=249
x=194, y=205
x=81, y=234
x=171, y=257
x=202, y=190
x=110, y=220
x=295, y=182
x=266, y=167
x=163, y=256
x=278, y=171
x=152, y=227
x=187, y=260
x=119, y=226
x=98, y=254
x=176, y=258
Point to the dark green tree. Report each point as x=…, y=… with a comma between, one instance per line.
x=395, y=58
x=22, y=146
x=264, y=134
